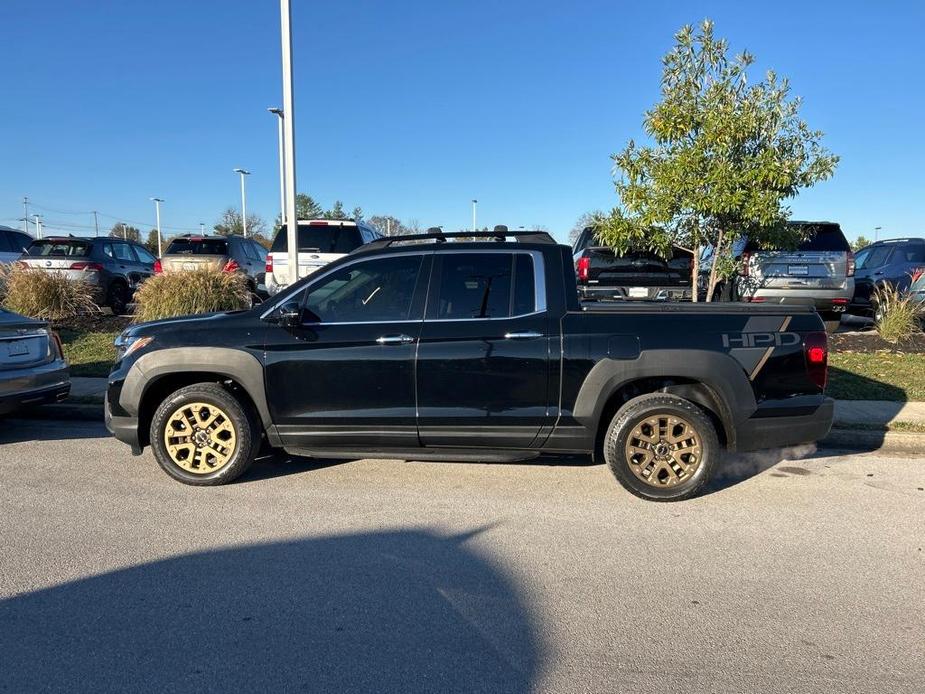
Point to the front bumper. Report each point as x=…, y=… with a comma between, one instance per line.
x=776, y=432
x=123, y=428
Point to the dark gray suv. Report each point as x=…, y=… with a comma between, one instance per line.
x=891, y=262
x=113, y=267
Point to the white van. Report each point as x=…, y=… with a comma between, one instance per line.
x=320, y=242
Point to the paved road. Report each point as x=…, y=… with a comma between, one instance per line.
x=384, y=576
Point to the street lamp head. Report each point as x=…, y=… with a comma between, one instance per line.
x=157, y=199
x=277, y=110
x=243, y=172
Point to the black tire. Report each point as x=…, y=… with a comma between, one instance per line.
x=244, y=421
x=831, y=320
x=634, y=413
x=117, y=297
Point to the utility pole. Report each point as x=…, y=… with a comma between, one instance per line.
x=292, y=226
x=388, y=227
x=202, y=228
x=282, y=165
x=25, y=219
x=96, y=223
x=124, y=232
x=157, y=211
x=243, y=172
x=474, y=203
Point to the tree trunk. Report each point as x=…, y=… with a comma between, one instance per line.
x=717, y=250
x=695, y=272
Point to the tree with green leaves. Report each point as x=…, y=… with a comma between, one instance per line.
x=231, y=223
x=125, y=231
x=151, y=242
x=336, y=212
x=387, y=225
x=859, y=243
x=725, y=156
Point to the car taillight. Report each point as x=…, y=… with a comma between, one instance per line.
x=583, y=268
x=158, y=268
x=57, y=341
x=850, y=264
x=89, y=267
x=917, y=273
x=269, y=263
x=746, y=256
x=816, y=350
x=231, y=266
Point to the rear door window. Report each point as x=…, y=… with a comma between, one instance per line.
x=914, y=254
x=197, y=247
x=475, y=285
x=123, y=252
x=873, y=257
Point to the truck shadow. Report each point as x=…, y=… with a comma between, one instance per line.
x=380, y=611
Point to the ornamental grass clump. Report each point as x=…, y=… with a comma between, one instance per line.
x=46, y=295
x=897, y=316
x=185, y=293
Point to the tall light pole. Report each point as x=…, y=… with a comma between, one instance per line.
x=243, y=172
x=202, y=229
x=25, y=219
x=292, y=225
x=157, y=212
x=877, y=233
x=474, y=203
x=124, y=232
x=282, y=165
x=38, y=225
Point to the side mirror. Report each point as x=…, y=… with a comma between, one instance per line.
x=289, y=315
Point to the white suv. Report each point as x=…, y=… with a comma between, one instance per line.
x=321, y=241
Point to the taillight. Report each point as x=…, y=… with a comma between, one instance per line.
x=583, y=268
x=746, y=256
x=850, y=264
x=917, y=274
x=89, y=267
x=816, y=350
x=158, y=268
x=231, y=266
x=270, y=263
x=57, y=341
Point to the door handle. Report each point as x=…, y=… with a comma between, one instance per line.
x=394, y=340
x=523, y=335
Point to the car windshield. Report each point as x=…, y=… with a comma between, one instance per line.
x=197, y=247
x=322, y=238
x=71, y=248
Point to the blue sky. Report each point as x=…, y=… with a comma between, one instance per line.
x=414, y=108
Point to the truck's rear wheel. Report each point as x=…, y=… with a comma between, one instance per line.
x=661, y=447
x=203, y=435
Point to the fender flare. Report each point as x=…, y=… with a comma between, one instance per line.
x=722, y=375
x=240, y=366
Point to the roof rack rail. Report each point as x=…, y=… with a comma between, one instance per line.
x=441, y=237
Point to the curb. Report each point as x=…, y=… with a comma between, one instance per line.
x=903, y=442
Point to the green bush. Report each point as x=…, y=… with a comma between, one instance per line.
x=185, y=293
x=897, y=316
x=45, y=295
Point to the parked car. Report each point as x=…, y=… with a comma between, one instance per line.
x=605, y=275
x=13, y=244
x=819, y=273
x=321, y=241
x=415, y=348
x=890, y=262
x=113, y=267
x=32, y=366
x=917, y=292
x=228, y=253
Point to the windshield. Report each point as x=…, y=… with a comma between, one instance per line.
x=321, y=239
x=197, y=247
x=59, y=247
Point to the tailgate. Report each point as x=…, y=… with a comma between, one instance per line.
x=22, y=345
x=193, y=262
x=308, y=264
x=800, y=269
x=637, y=269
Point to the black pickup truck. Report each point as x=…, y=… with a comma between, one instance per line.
x=424, y=349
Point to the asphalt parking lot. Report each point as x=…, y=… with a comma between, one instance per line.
x=790, y=575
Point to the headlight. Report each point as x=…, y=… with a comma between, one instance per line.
x=126, y=344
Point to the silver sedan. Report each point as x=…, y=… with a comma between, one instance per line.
x=32, y=366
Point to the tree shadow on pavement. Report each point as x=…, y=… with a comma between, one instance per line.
x=385, y=611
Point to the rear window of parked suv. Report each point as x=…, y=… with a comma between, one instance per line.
x=67, y=247
x=319, y=238
x=822, y=237
x=197, y=247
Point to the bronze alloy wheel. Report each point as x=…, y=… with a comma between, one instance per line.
x=664, y=450
x=200, y=438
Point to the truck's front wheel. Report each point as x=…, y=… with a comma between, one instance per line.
x=661, y=447
x=203, y=435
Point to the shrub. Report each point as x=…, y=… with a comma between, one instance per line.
x=897, y=316
x=185, y=293
x=45, y=295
